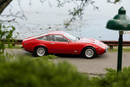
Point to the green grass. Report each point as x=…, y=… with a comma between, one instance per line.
x=115, y=49
x=14, y=47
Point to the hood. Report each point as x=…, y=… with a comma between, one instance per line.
x=93, y=41
x=87, y=40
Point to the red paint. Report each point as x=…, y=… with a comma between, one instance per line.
x=69, y=47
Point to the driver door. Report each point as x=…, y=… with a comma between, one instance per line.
x=60, y=44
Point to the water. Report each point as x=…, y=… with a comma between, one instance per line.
x=46, y=17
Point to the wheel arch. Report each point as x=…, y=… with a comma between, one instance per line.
x=40, y=46
x=87, y=47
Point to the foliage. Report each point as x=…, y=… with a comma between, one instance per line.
x=27, y=72
x=78, y=10
x=41, y=72
x=113, y=79
x=45, y=57
x=6, y=33
x=115, y=1
x=51, y=56
x=76, y=13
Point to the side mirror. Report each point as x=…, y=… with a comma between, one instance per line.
x=78, y=38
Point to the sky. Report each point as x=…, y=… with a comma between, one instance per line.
x=47, y=13
x=50, y=14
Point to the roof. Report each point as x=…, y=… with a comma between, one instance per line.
x=52, y=32
x=57, y=32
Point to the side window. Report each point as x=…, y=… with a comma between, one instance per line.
x=42, y=38
x=60, y=38
x=47, y=38
x=50, y=38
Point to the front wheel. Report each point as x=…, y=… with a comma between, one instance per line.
x=40, y=51
x=89, y=52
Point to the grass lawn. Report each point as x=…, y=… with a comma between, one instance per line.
x=14, y=47
x=115, y=49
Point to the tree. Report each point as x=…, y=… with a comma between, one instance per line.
x=76, y=13
x=5, y=3
x=6, y=37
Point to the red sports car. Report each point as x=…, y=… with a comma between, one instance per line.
x=59, y=42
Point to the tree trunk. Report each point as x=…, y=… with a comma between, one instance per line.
x=4, y=4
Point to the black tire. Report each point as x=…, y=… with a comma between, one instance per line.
x=89, y=52
x=40, y=51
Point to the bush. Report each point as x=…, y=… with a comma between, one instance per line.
x=113, y=79
x=27, y=72
x=41, y=72
x=6, y=37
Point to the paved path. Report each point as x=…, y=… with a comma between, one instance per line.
x=94, y=66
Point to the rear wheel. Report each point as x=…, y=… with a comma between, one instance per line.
x=89, y=52
x=40, y=51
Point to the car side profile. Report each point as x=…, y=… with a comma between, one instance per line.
x=59, y=42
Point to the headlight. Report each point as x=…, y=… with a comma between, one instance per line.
x=101, y=44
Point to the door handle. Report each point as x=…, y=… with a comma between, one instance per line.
x=52, y=43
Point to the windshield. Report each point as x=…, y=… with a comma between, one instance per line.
x=71, y=37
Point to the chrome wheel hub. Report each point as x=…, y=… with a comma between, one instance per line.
x=40, y=51
x=89, y=53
